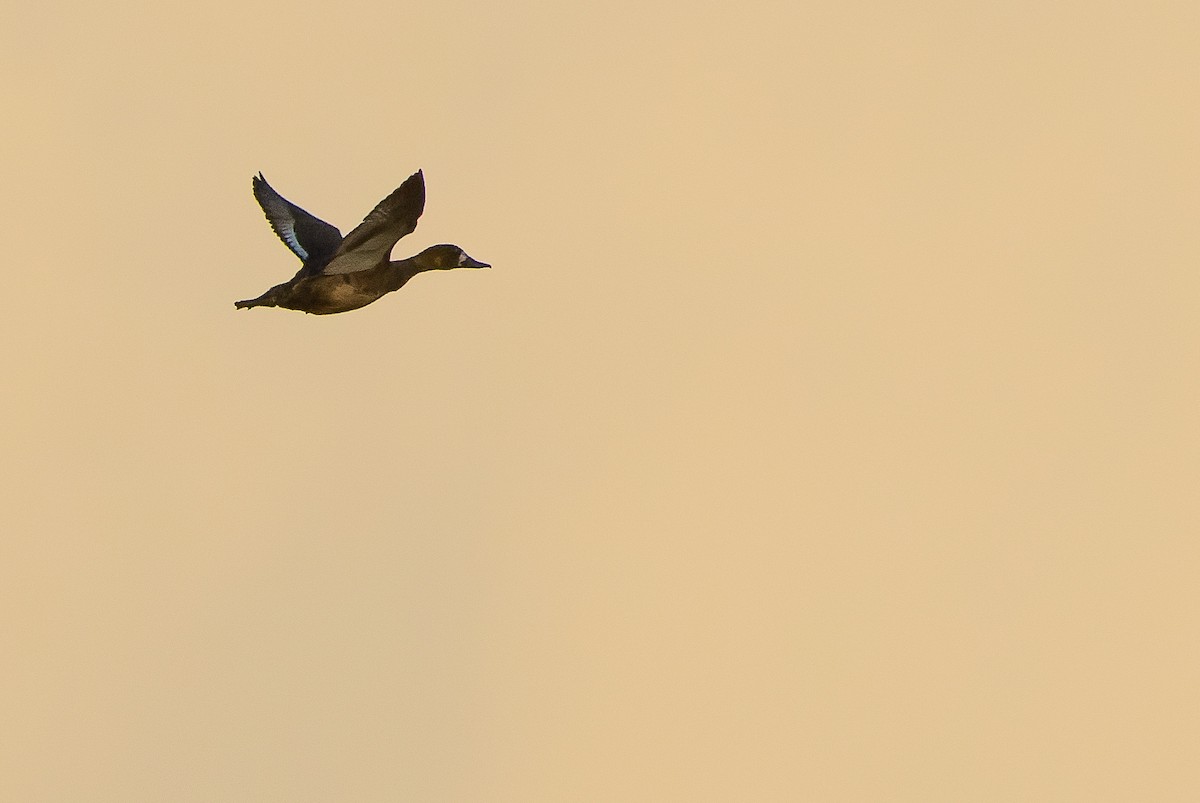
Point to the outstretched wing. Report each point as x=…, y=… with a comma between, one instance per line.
x=309, y=237
x=371, y=241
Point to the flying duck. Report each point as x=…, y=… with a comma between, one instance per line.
x=340, y=274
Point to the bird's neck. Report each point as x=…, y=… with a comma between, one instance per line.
x=399, y=272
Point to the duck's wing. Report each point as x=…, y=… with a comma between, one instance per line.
x=371, y=241
x=309, y=237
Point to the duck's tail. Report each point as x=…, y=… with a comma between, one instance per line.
x=267, y=299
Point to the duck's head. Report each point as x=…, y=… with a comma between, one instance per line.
x=446, y=257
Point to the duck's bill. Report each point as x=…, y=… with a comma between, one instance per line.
x=474, y=263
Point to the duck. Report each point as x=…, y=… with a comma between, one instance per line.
x=339, y=274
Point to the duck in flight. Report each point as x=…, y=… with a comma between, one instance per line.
x=340, y=274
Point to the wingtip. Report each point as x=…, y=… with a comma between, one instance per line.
x=415, y=182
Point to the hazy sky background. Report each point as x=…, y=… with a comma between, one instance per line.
x=826, y=429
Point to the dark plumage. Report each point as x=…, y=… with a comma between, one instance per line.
x=340, y=274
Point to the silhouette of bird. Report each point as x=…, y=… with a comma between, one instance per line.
x=340, y=274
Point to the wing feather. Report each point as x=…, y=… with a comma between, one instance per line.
x=309, y=237
x=371, y=241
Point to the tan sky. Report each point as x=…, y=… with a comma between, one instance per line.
x=826, y=429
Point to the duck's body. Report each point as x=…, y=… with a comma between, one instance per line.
x=325, y=294
x=339, y=274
